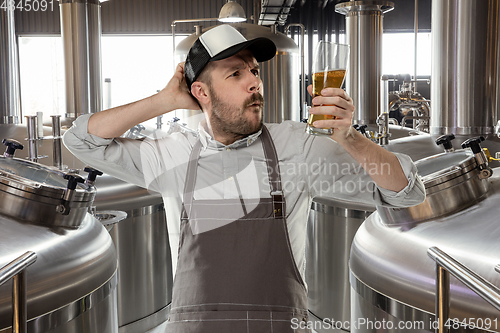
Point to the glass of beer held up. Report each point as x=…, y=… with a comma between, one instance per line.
x=329, y=69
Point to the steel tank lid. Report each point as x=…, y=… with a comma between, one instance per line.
x=38, y=179
x=71, y=264
x=283, y=43
x=452, y=183
x=38, y=194
x=437, y=169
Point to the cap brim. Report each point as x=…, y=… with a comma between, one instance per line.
x=262, y=48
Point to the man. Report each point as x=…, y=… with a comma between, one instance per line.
x=237, y=192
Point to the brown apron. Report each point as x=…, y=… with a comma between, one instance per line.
x=236, y=275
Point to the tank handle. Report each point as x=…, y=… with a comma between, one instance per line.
x=445, y=140
x=12, y=145
x=16, y=270
x=446, y=265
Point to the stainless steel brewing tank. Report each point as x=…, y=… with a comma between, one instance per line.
x=280, y=75
x=331, y=228
x=393, y=279
x=465, y=66
x=72, y=285
x=145, y=264
x=364, y=29
x=141, y=241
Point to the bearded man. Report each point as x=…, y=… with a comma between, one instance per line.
x=237, y=192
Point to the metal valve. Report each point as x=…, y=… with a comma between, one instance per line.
x=360, y=128
x=12, y=145
x=445, y=140
x=73, y=180
x=93, y=173
x=475, y=145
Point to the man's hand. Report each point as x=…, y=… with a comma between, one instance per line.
x=334, y=102
x=176, y=94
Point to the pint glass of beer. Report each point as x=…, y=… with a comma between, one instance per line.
x=329, y=68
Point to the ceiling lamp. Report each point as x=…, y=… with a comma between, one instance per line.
x=232, y=12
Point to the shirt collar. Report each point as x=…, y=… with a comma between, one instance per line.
x=208, y=141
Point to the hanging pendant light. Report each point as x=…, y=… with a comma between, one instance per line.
x=232, y=12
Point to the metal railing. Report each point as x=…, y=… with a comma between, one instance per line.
x=446, y=265
x=15, y=271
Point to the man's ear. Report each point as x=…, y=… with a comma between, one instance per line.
x=200, y=92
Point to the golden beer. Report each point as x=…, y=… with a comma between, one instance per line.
x=334, y=79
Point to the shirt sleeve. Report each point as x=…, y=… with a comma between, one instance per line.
x=125, y=159
x=413, y=193
x=334, y=173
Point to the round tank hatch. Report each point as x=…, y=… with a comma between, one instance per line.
x=38, y=194
x=452, y=183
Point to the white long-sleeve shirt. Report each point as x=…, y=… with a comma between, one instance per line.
x=310, y=166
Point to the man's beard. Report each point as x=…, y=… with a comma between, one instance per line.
x=232, y=123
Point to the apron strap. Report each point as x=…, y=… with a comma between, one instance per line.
x=274, y=174
x=188, y=194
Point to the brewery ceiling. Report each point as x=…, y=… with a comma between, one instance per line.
x=156, y=16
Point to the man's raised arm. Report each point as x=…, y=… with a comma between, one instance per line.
x=116, y=121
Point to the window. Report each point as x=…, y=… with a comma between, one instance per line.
x=398, y=53
x=138, y=66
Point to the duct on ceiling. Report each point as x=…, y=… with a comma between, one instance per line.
x=275, y=11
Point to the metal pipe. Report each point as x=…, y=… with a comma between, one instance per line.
x=159, y=123
x=76, y=60
x=15, y=270
x=95, y=59
x=364, y=28
x=416, y=43
x=10, y=101
x=185, y=21
x=57, y=143
x=39, y=124
x=442, y=298
x=303, y=103
x=383, y=129
x=31, y=126
x=446, y=264
x=107, y=94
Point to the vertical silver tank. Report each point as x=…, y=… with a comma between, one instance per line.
x=331, y=228
x=71, y=287
x=10, y=102
x=141, y=240
x=364, y=22
x=81, y=35
x=144, y=288
x=465, y=68
x=280, y=76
